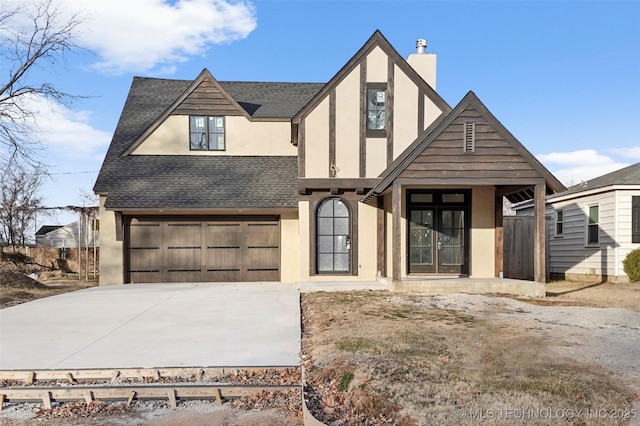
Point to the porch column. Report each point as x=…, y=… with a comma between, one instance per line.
x=499, y=222
x=539, y=245
x=396, y=206
x=381, y=237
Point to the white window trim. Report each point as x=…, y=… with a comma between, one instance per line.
x=556, y=234
x=586, y=227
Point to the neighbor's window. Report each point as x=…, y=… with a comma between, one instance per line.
x=559, y=223
x=635, y=219
x=206, y=133
x=593, y=229
x=376, y=109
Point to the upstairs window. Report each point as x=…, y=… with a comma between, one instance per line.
x=559, y=223
x=206, y=133
x=593, y=227
x=635, y=219
x=376, y=110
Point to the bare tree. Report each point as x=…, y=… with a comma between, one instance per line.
x=19, y=204
x=35, y=34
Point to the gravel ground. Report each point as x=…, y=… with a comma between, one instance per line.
x=609, y=337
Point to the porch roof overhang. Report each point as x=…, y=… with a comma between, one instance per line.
x=514, y=187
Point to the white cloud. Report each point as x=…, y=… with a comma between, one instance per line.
x=138, y=36
x=65, y=132
x=632, y=152
x=150, y=36
x=577, y=166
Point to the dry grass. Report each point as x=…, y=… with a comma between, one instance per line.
x=17, y=288
x=381, y=358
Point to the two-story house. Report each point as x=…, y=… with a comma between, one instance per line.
x=370, y=176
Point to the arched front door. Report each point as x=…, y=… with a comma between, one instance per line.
x=333, y=237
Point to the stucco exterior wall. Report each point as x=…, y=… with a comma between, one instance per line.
x=348, y=126
x=172, y=138
x=367, y=242
x=289, y=248
x=377, y=62
x=482, y=234
x=317, y=142
x=111, y=251
x=405, y=112
x=303, y=231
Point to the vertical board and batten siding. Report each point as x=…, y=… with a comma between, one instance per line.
x=207, y=99
x=493, y=157
x=518, y=245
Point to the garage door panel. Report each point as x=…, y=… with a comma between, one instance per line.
x=224, y=252
x=254, y=275
x=145, y=276
x=224, y=235
x=145, y=252
x=222, y=275
x=262, y=258
x=174, y=250
x=263, y=235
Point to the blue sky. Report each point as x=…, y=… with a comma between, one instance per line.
x=562, y=76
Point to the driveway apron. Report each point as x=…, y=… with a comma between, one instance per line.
x=155, y=325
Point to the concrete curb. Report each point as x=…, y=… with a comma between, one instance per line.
x=307, y=418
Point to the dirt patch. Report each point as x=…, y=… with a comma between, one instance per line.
x=17, y=287
x=385, y=358
x=603, y=295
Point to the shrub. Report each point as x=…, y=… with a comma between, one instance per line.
x=631, y=265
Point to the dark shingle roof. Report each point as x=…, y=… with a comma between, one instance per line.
x=173, y=182
x=194, y=181
x=271, y=100
x=627, y=176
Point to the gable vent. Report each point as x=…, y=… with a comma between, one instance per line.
x=469, y=136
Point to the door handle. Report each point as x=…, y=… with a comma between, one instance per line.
x=439, y=245
x=348, y=244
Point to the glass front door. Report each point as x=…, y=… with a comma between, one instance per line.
x=438, y=232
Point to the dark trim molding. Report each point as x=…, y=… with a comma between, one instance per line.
x=302, y=161
x=311, y=184
x=389, y=105
x=332, y=134
x=421, y=96
x=363, y=118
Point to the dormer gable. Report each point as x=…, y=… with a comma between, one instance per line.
x=469, y=144
x=205, y=96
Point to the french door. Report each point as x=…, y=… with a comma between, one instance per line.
x=438, y=232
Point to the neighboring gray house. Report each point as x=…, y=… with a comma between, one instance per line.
x=593, y=226
x=66, y=236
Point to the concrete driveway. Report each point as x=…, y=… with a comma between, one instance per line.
x=155, y=325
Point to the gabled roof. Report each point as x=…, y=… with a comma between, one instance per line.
x=430, y=134
x=249, y=99
x=45, y=229
x=151, y=98
x=628, y=176
x=376, y=40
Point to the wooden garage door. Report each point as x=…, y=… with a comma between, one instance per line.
x=162, y=250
